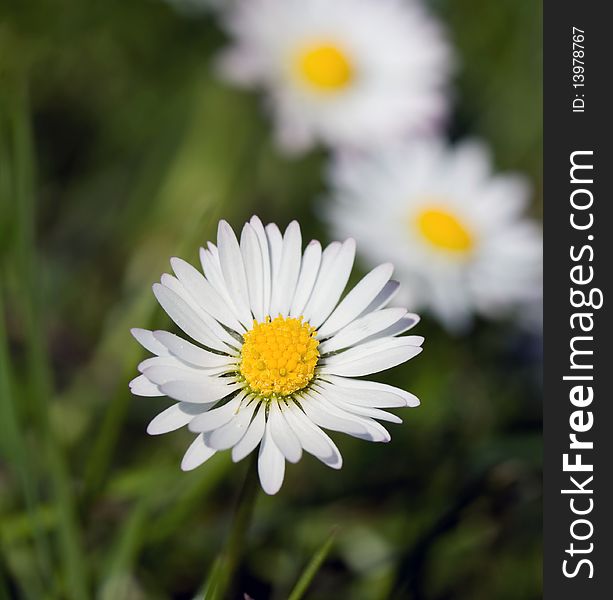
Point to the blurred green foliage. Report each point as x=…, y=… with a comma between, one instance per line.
x=118, y=149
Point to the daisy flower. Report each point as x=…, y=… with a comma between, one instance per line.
x=351, y=73
x=275, y=356
x=454, y=230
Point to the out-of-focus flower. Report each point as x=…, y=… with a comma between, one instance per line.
x=278, y=354
x=348, y=73
x=455, y=231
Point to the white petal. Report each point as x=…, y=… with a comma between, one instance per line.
x=375, y=386
x=141, y=386
x=217, y=417
x=145, y=338
x=371, y=357
x=254, y=270
x=159, y=370
x=198, y=392
x=308, y=274
x=312, y=438
x=407, y=322
x=275, y=250
x=327, y=415
x=190, y=353
x=163, y=361
x=204, y=294
x=186, y=318
x=218, y=332
x=284, y=284
x=196, y=454
x=266, y=265
x=330, y=284
x=172, y=418
x=340, y=401
x=362, y=328
x=253, y=436
x=373, y=398
x=283, y=435
x=212, y=271
x=231, y=433
x=354, y=303
x=384, y=297
x=271, y=464
x=233, y=271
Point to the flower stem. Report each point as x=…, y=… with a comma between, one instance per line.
x=222, y=578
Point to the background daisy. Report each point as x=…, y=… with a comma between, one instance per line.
x=278, y=354
x=457, y=231
x=355, y=73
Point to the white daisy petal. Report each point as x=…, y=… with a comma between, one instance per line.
x=205, y=294
x=289, y=268
x=266, y=265
x=252, y=437
x=175, y=417
x=141, y=386
x=159, y=370
x=232, y=432
x=146, y=339
x=384, y=297
x=190, y=353
x=358, y=386
x=371, y=357
x=198, y=392
x=330, y=284
x=308, y=274
x=196, y=454
x=271, y=464
x=275, y=249
x=325, y=414
x=362, y=328
x=233, y=270
x=212, y=272
x=217, y=417
x=231, y=343
x=401, y=326
x=282, y=434
x=371, y=398
x=254, y=269
x=340, y=400
x=312, y=438
x=186, y=318
x=357, y=300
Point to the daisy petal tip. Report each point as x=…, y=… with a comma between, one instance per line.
x=187, y=466
x=136, y=331
x=152, y=430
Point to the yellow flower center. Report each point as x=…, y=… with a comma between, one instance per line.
x=279, y=356
x=444, y=230
x=325, y=67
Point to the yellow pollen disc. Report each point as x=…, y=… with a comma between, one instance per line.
x=279, y=356
x=325, y=67
x=444, y=230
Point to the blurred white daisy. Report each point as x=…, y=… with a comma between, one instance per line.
x=455, y=231
x=276, y=355
x=348, y=73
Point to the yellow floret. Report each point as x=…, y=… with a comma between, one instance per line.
x=279, y=356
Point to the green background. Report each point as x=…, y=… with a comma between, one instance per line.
x=118, y=149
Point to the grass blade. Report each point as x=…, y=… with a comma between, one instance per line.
x=313, y=567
